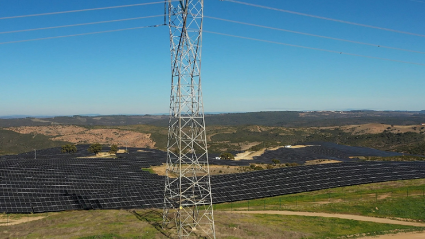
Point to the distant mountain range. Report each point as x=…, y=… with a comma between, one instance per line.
x=206, y=113
x=268, y=118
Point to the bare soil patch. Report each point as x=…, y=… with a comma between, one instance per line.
x=321, y=161
x=9, y=222
x=409, y=235
x=249, y=155
x=248, y=145
x=80, y=135
x=214, y=169
x=102, y=155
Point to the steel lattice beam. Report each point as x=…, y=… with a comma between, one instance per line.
x=187, y=194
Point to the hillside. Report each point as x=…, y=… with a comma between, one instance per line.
x=13, y=143
x=235, y=132
x=272, y=118
x=80, y=135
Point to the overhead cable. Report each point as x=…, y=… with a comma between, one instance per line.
x=84, y=10
x=326, y=18
x=80, y=24
x=314, y=35
x=81, y=34
x=313, y=48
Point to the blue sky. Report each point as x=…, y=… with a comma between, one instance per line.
x=128, y=72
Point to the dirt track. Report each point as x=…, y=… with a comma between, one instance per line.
x=9, y=222
x=410, y=235
x=342, y=216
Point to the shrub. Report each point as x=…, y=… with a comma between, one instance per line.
x=227, y=156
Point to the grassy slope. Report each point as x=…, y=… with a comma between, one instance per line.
x=400, y=199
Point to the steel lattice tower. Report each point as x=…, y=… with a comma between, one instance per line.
x=187, y=194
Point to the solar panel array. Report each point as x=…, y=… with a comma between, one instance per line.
x=282, y=181
x=316, y=150
x=65, y=183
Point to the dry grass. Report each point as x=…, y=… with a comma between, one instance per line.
x=374, y=128
x=321, y=161
x=214, y=169
x=231, y=225
x=76, y=224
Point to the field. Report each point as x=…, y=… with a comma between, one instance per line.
x=400, y=207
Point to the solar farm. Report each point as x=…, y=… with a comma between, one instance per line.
x=59, y=182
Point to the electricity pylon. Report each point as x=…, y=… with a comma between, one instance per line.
x=187, y=194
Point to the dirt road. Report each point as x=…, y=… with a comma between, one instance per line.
x=342, y=216
x=409, y=235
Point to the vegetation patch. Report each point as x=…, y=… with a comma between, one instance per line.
x=395, y=158
x=400, y=199
x=150, y=170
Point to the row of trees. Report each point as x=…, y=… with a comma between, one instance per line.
x=94, y=148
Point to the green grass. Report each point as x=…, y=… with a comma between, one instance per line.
x=401, y=199
x=148, y=170
x=84, y=224
x=328, y=227
x=247, y=226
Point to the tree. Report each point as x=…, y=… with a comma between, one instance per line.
x=227, y=156
x=114, y=149
x=275, y=161
x=68, y=148
x=95, y=148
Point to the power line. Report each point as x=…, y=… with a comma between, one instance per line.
x=326, y=18
x=81, y=34
x=84, y=10
x=81, y=24
x=314, y=35
x=313, y=48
